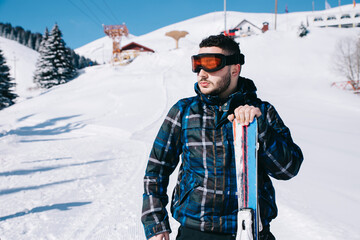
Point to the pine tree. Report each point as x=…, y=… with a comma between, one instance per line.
x=43, y=76
x=62, y=57
x=7, y=97
x=33, y=40
x=26, y=37
x=302, y=30
x=54, y=65
x=38, y=38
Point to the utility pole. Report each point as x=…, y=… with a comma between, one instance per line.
x=103, y=58
x=275, y=13
x=225, y=16
x=15, y=59
x=340, y=5
x=313, y=6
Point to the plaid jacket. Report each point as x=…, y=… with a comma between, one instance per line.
x=205, y=195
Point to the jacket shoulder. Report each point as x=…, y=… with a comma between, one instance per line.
x=180, y=107
x=184, y=103
x=268, y=109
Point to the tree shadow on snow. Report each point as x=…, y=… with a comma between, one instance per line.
x=59, y=206
x=45, y=169
x=25, y=117
x=15, y=190
x=49, y=159
x=45, y=140
x=47, y=127
x=28, y=188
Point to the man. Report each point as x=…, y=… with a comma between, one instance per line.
x=199, y=128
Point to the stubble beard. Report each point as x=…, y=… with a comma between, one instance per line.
x=221, y=86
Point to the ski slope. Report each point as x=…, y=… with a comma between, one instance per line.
x=21, y=61
x=73, y=157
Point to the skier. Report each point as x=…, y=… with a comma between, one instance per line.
x=199, y=128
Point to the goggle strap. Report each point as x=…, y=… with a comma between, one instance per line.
x=235, y=59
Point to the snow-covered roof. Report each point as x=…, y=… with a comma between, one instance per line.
x=243, y=22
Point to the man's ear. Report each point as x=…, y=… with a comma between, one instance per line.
x=235, y=70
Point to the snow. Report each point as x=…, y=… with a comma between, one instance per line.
x=21, y=61
x=73, y=157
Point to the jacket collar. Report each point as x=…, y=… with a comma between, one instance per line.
x=245, y=93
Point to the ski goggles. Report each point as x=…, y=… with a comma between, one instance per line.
x=212, y=62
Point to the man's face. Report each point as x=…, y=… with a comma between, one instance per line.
x=214, y=83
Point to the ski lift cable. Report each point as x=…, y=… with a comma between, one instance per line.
x=111, y=12
x=91, y=11
x=103, y=11
x=78, y=8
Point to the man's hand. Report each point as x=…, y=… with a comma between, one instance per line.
x=161, y=236
x=245, y=114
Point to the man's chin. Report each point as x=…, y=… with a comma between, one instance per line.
x=206, y=91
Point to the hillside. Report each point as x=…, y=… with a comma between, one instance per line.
x=73, y=157
x=21, y=61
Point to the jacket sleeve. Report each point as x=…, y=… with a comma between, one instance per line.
x=279, y=156
x=163, y=159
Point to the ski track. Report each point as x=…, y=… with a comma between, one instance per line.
x=121, y=205
x=119, y=220
x=117, y=205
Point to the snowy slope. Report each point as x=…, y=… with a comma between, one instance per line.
x=72, y=158
x=200, y=27
x=21, y=61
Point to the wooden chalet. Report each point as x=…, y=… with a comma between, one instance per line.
x=130, y=51
x=136, y=47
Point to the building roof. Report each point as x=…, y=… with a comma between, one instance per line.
x=246, y=21
x=136, y=46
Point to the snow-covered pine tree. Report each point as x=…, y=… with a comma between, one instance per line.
x=7, y=97
x=302, y=30
x=38, y=38
x=61, y=57
x=43, y=76
x=54, y=65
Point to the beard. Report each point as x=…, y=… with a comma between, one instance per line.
x=219, y=86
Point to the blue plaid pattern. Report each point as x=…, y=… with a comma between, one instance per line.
x=205, y=197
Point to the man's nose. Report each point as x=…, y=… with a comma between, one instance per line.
x=202, y=74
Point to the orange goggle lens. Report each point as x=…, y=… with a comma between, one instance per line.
x=212, y=62
x=209, y=63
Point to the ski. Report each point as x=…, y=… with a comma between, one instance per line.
x=245, y=145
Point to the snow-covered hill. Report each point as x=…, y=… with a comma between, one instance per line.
x=21, y=61
x=72, y=158
x=202, y=26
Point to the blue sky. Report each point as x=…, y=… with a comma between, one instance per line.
x=80, y=20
